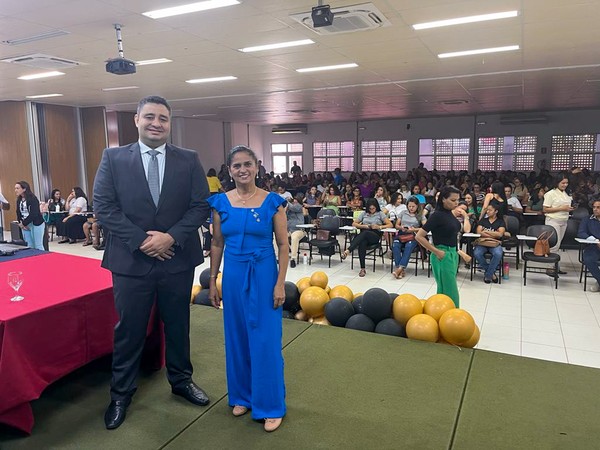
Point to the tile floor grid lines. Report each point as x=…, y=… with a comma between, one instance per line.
x=535, y=321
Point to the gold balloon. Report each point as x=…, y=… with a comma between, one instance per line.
x=319, y=279
x=405, y=306
x=320, y=321
x=423, y=328
x=438, y=304
x=302, y=284
x=220, y=285
x=301, y=315
x=358, y=294
x=473, y=340
x=341, y=291
x=328, y=290
x=457, y=326
x=313, y=300
x=196, y=288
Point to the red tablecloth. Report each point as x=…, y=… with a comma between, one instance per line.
x=65, y=321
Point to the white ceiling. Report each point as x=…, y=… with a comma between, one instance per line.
x=399, y=74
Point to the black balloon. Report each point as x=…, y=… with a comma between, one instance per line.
x=288, y=315
x=390, y=327
x=202, y=298
x=205, y=278
x=393, y=296
x=292, y=298
x=338, y=310
x=357, y=304
x=377, y=304
x=360, y=322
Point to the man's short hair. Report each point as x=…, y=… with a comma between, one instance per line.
x=153, y=99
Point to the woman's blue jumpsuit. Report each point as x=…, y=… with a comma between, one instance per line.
x=253, y=329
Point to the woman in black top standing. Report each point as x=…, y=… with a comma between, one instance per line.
x=444, y=228
x=496, y=197
x=29, y=216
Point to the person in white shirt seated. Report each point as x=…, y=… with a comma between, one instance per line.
x=286, y=195
x=393, y=211
x=514, y=204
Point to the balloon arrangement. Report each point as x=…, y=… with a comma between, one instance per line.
x=311, y=299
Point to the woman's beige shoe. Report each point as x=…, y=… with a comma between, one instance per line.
x=345, y=254
x=239, y=410
x=272, y=424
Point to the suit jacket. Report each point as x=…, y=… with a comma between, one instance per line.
x=124, y=206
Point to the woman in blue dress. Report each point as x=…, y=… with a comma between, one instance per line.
x=244, y=221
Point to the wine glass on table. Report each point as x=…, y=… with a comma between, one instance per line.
x=15, y=280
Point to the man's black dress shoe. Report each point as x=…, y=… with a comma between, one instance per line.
x=115, y=413
x=192, y=393
x=560, y=272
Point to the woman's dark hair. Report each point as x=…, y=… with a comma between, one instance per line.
x=336, y=191
x=211, y=173
x=79, y=193
x=28, y=193
x=498, y=188
x=561, y=176
x=372, y=202
x=394, y=198
x=54, y=191
x=241, y=148
x=499, y=214
x=535, y=196
x=445, y=192
x=476, y=204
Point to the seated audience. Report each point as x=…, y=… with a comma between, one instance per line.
x=295, y=216
x=490, y=227
x=77, y=203
x=590, y=228
x=370, y=223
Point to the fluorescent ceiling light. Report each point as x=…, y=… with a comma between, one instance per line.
x=35, y=76
x=190, y=8
x=468, y=19
x=202, y=115
x=210, y=80
x=147, y=62
x=37, y=37
x=44, y=95
x=480, y=51
x=317, y=69
x=260, y=48
x=122, y=88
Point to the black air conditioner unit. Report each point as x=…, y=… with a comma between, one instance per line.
x=300, y=128
x=523, y=120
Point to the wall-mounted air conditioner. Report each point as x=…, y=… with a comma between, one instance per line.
x=523, y=120
x=296, y=128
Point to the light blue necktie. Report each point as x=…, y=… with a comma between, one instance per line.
x=153, y=178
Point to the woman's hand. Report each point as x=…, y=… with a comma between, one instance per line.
x=278, y=295
x=440, y=254
x=65, y=219
x=213, y=295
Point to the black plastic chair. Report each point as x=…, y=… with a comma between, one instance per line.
x=511, y=242
x=531, y=262
x=327, y=247
x=374, y=251
x=499, y=270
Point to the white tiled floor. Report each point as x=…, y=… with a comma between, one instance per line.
x=536, y=321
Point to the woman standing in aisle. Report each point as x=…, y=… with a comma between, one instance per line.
x=29, y=216
x=244, y=221
x=444, y=228
x=557, y=206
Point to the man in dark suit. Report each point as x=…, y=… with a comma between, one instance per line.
x=151, y=199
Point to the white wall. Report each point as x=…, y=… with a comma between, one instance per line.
x=204, y=136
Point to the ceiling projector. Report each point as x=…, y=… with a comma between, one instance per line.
x=120, y=65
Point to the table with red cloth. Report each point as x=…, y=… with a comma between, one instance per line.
x=65, y=321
